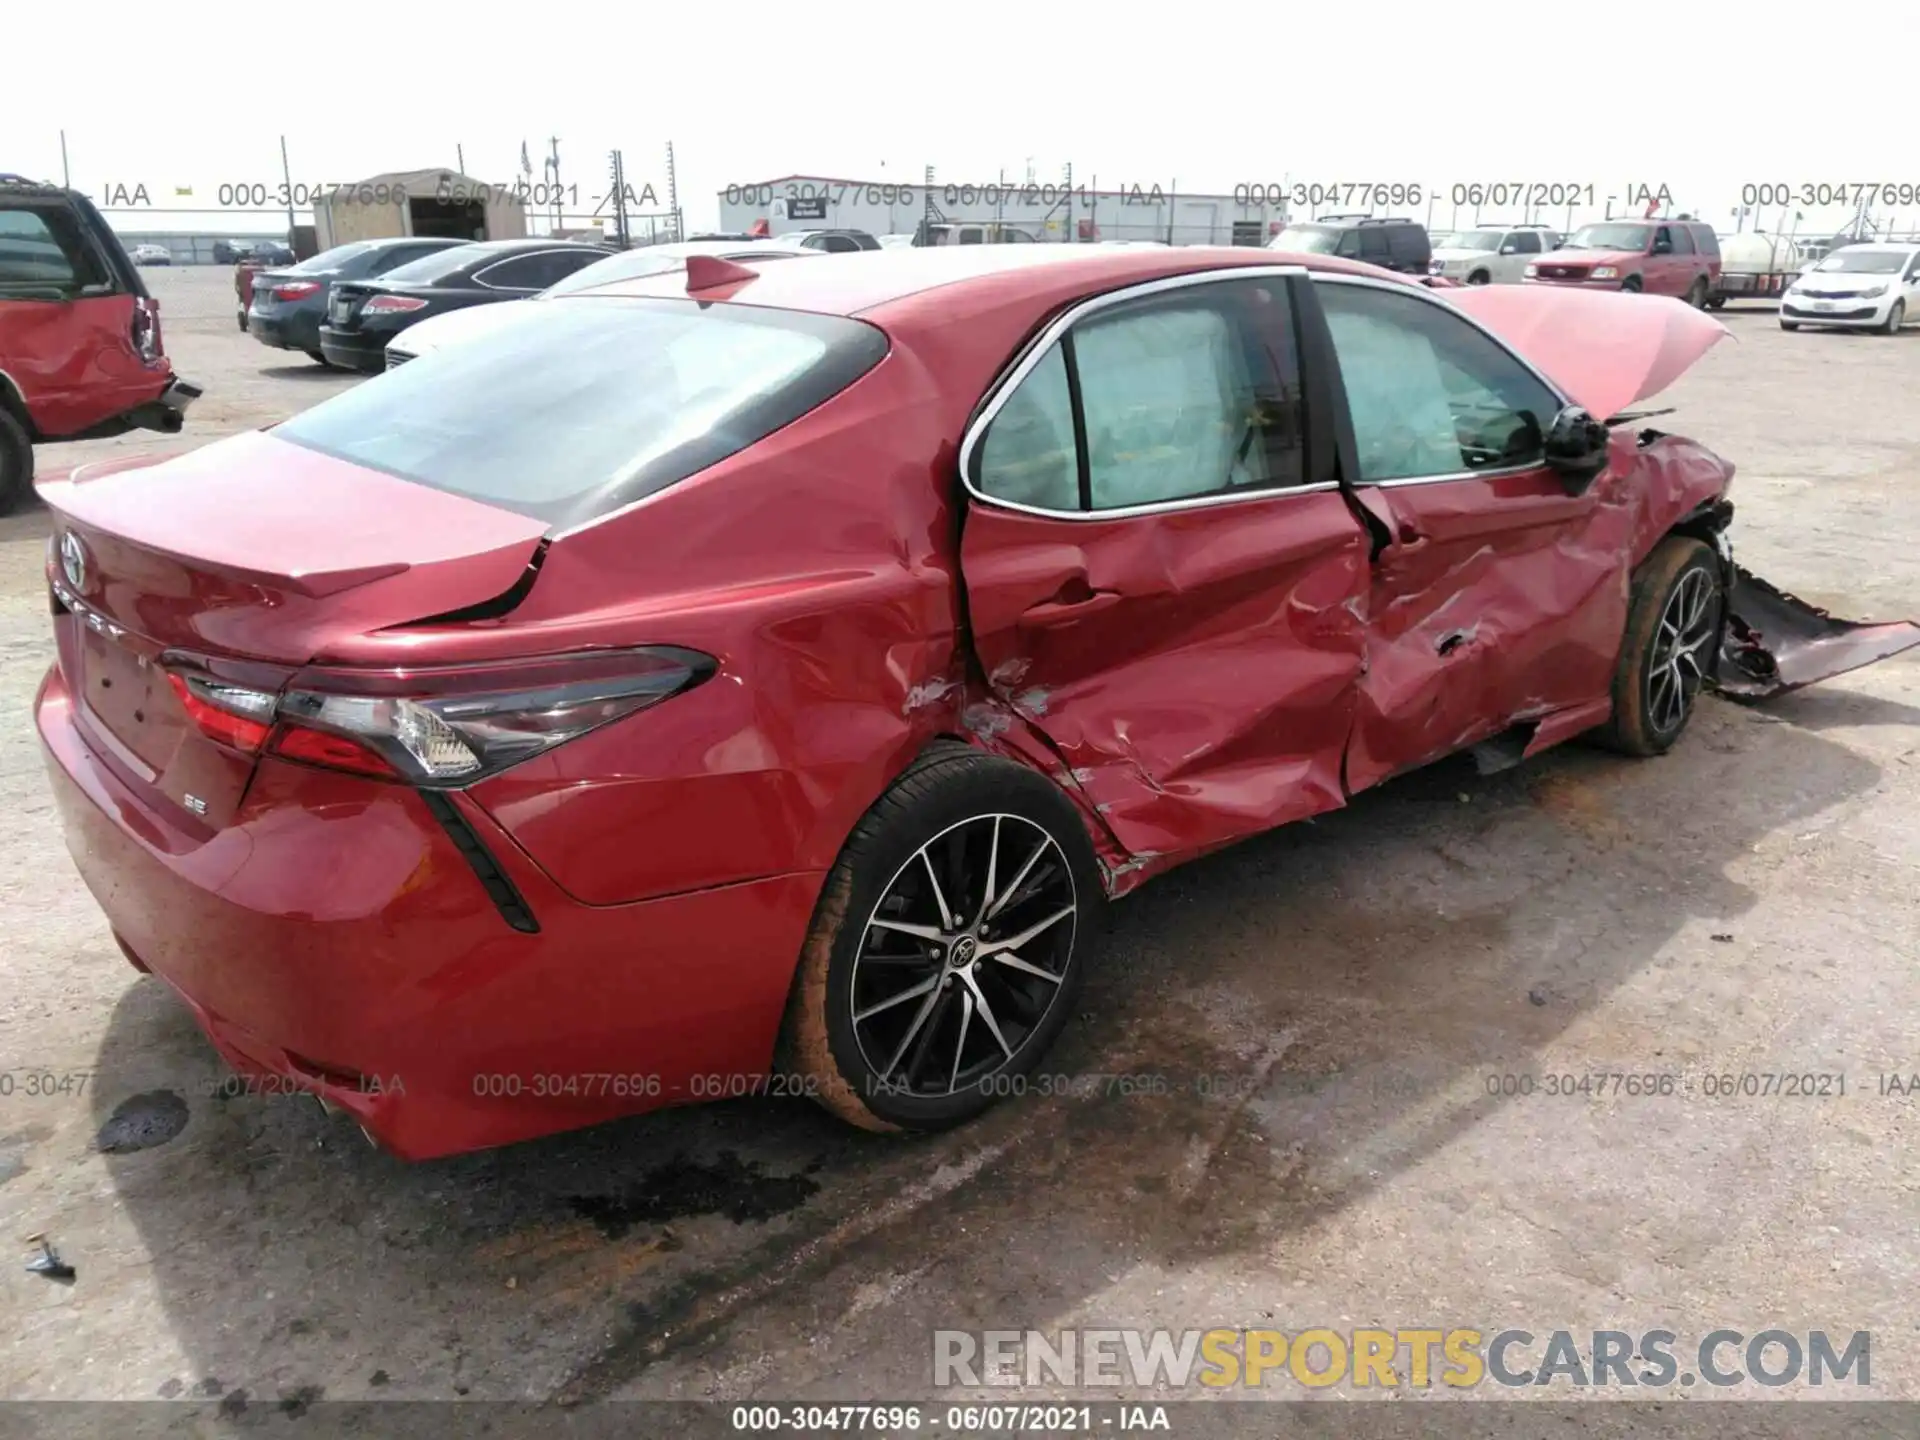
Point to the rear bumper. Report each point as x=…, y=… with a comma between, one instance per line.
x=166, y=412
x=354, y=349
x=294, y=331
x=334, y=935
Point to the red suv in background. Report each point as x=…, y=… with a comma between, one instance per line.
x=80, y=349
x=1662, y=257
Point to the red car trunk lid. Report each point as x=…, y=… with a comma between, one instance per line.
x=250, y=556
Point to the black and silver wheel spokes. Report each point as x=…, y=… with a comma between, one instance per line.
x=1678, y=665
x=964, y=955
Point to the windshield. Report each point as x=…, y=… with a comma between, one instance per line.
x=429, y=268
x=587, y=405
x=1610, y=237
x=1865, y=262
x=1478, y=240
x=332, y=259
x=1306, y=239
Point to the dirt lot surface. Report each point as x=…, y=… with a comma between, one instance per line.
x=1745, y=905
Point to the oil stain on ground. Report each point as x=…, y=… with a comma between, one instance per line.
x=685, y=1187
x=141, y=1122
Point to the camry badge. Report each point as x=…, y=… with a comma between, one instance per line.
x=73, y=560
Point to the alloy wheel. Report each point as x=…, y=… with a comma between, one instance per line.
x=964, y=955
x=1676, y=666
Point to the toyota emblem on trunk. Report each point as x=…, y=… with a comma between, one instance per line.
x=73, y=560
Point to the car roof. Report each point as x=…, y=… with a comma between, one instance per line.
x=965, y=275
x=1891, y=247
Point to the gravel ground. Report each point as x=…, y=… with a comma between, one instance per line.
x=1745, y=904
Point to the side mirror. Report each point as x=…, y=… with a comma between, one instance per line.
x=1576, y=448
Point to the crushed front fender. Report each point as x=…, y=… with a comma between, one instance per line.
x=1774, y=642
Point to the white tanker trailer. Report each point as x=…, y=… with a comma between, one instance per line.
x=1755, y=266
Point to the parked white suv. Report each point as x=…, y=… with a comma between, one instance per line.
x=1858, y=287
x=1492, y=255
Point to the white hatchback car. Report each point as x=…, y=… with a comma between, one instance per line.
x=1492, y=255
x=1859, y=287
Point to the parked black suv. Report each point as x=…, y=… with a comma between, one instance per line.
x=1392, y=242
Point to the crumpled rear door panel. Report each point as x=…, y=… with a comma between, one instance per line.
x=1194, y=669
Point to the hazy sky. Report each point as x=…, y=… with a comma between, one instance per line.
x=1208, y=95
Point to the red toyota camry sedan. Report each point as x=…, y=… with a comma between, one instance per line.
x=738, y=680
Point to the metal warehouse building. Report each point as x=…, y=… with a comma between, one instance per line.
x=441, y=203
x=1046, y=211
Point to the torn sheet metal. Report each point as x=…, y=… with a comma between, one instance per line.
x=1775, y=642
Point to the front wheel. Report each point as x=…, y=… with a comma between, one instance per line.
x=1788, y=325
x=1896, y=317
x=1479, y=277
x=1674, y=613
x=1632, y=284
x=945, y=951
x=319, y=359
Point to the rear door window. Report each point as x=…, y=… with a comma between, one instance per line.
x=42, y=250
x=1179, y=399
x=1525, y=242
x=599, y=401
x=1374, y=245
x=1682, y=240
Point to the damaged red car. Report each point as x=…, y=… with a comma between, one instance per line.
x=744, y=673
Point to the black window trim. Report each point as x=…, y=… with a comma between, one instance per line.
x=1345, y=413
x=1056, y=331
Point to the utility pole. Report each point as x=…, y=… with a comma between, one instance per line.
x=673, y=196
x=286, y=173
x=1073, y=228
x=553, y=172
x=618, y=176
x=66, y=180
x=460, y=159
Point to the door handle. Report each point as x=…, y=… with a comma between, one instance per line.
x=1065, y=612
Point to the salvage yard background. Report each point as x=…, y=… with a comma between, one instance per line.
x=1744, y=904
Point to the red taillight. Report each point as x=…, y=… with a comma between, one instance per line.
x=336, y=752
x=392, y=305
x=459, y=725
x=144, y=327
x=230, y=714
x=295, y=290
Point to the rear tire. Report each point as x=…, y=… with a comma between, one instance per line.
x=16, y=463
x=241, y=316
x=1896, y=317
x=319, y=359
x=1697, y=294
x=917, y=1022
x=1675, y=609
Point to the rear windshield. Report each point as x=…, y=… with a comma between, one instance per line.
x=333, y=259
x=429, y=268
x=588, y=404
